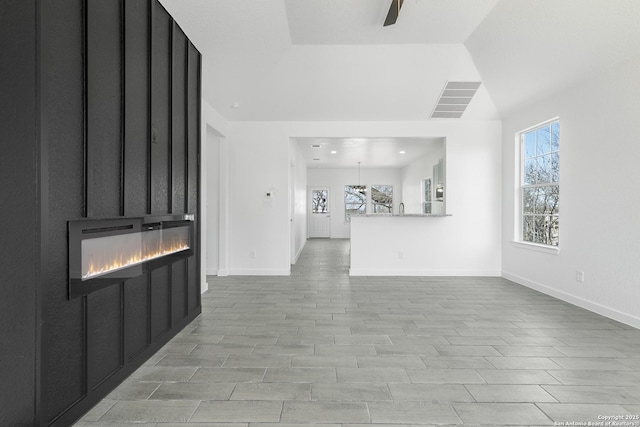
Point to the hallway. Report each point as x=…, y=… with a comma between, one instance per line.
x=320, y=347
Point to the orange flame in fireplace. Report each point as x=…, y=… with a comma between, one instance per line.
x=107, y=260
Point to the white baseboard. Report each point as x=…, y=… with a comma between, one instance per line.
x=418, y=273
x=260, y=272
x=299, y=252
x=611, y=313
x=204, y=287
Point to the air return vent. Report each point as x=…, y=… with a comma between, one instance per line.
x=454, y=99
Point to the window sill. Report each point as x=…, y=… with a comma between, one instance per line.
x=552, y=250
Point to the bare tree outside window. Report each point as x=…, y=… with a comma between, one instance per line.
x=540, y=188
x=319, y=201
x=382, y=198
x=355, y=200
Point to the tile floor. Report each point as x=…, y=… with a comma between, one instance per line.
x=324, y=349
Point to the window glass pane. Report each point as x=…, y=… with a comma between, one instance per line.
x=319, y=201
x=555, y=136
x=382, y=198
x=355, y=200
x=555, y=167
x=544, y=140
x=539, y=232
x=527, y=228
x=540, y=191
x=530, y=171
x=554, y=232
x=529, y=145
x=529, y=196
x=549, y=197
x=544, y=169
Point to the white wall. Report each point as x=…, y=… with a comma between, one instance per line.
x=336, y=179
x=417, y=246
x=412, y=177
x=212, y=206
x=214, y=194
x=599, y=226
x=259, y=229
x=259, y=161
x=297, y=201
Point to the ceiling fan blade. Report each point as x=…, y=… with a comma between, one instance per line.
x=394, y=11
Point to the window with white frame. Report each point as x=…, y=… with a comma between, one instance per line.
x=355, y=200
x=382, y=198
x=540, y=184
x=426, y=185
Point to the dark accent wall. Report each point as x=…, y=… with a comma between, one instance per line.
x=100, y=119
x=19, y=266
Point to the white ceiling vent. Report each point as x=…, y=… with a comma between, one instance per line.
x=454, y=99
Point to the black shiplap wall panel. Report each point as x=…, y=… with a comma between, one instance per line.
x=178, y=128
x=193, y=131
x=193, y=284
x=104, y=109
x=193, y=168
x=160, y=301
x=136, y=315
x=160, y=110
x=116, y=179
x=179, y=290
x=64, y=329
x=104, y=334
x=136, y=108
x=19, y=194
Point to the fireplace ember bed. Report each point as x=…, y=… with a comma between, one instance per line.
x=108, y=251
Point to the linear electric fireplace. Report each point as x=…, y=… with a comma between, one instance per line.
x=105, y=252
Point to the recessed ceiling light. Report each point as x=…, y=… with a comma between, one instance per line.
x=333, y=151
x=403, y=152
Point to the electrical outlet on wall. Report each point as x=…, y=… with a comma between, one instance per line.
x=580, y=276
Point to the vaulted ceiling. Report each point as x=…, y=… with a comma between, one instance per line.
x=295, y=60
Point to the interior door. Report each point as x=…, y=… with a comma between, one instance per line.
x=320, y=218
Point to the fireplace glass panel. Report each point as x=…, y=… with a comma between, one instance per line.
x=110, y=254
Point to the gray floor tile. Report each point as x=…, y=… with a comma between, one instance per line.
x=585, y=413
x=351, y=392
x=300, y=375
x=324, y=362
x=507, y=393
x=501, y=414
x=133, y=390
x=237, y=411
x=164, y=373
x=517, y=376
x=272, y=391
x=594, y=394
x=257, y=361
x=413, y=412
x=325, y=412
x=227, y=375
x=372, y=375
x=390, y=362
x=456, y=362
x=523, y=362
x=322, y=348
x=193, y=391
x=440, y=393
x=145, y=411
x=445, y=376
